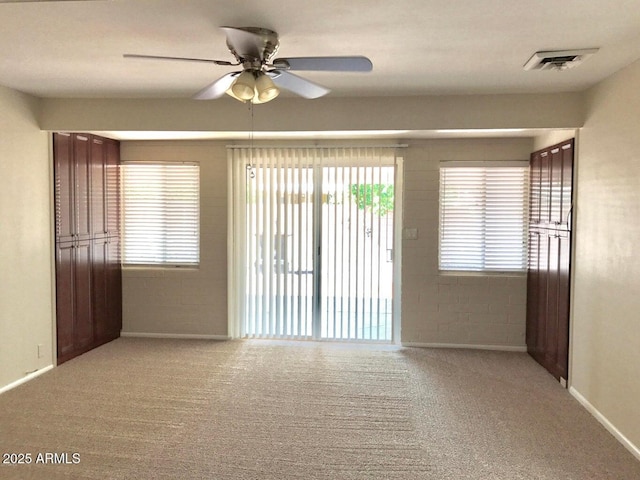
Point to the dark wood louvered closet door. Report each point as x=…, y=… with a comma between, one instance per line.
x=88, y=273
x=548, y=278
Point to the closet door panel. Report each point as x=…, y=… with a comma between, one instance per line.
x=100, y=298
x=562, y=345
x=98, y=203
x=81, y=152
x=545, y=189
x=112, y=187
x=555, y=187
x=114, y=288
x=83, y=331
x=65, y=297
x=64, y=186
x=567, y=185
x=535, y=177
x=533, y=302
x=551, y=341
x=541, y=294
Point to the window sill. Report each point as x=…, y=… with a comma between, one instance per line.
x=158, y=271
x=131, y=267
x=475, y=273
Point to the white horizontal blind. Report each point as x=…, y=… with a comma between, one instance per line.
x=483, y=211
x=161, y=213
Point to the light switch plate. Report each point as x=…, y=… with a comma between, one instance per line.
x=410, y=234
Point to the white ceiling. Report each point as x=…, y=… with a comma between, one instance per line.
x=418, y=47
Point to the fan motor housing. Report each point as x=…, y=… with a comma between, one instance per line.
x=267, y=49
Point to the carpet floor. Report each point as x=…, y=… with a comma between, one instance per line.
x=172, y=409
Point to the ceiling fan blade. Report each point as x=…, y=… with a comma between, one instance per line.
x=187, y=59
x=243, y=43
x=298, y=85
x=329, y=64
x=217, y=88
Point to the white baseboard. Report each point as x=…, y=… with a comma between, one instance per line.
x=635, y=451
x=467, y=346
x=25, y=379
x=184, y=336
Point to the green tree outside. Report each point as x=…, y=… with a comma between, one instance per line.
x=378, y=197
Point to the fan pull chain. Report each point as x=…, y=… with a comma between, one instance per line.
x=250, y=168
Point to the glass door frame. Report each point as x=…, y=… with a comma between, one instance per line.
x=235, y=254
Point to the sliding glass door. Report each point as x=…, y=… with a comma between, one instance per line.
x=279, y=241
x=356, y=274
x=314, y=249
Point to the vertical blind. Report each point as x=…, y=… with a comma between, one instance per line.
x=357, y=245
x=274, y=241
x=313, y=242
x=161, y=213
x=483, y=212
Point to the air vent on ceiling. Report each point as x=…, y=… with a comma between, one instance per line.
x=558, y=59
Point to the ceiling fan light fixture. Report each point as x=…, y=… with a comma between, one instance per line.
x=232, y=95
x=244, y=86
x=253, y=48
x=265, y=88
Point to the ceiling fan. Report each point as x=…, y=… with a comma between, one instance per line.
x=261, y=78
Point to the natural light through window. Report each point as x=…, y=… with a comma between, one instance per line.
x=483, y=212
x=161, y=214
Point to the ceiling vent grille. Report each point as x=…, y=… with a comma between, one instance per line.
x=558, y=59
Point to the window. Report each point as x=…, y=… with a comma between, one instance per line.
x=483, y=211
x=161, y=214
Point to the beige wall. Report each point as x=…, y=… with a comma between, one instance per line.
x=477, y=310
x=26, y=317
x=552, y=137
x=606, y=301
x=181, y=300
x=563, y=110
x=454, y=309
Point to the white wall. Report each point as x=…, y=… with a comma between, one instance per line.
x=186, y=301
x=606, y=300
x=26, y=315
x=454, y=309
